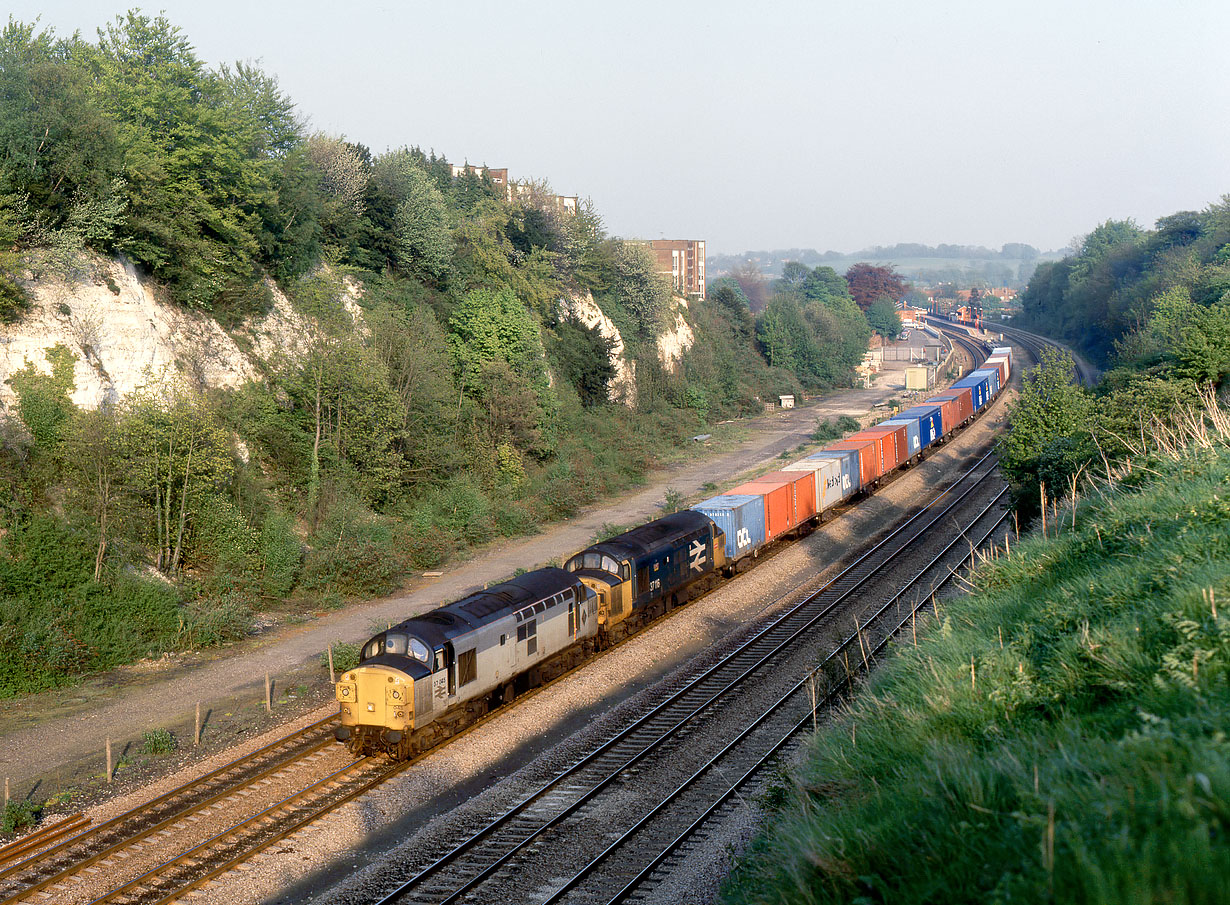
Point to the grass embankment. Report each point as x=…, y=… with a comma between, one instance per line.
x=1083, y=758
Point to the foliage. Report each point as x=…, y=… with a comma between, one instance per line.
x=1058, y=738
x=43, y=399
x=868, y=283
x=157, y=742
x=584, y=358
x=828, y=429
x=883, y=317
x=1047, y=440
x=18, y=815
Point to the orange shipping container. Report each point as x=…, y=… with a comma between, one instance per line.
x=965, y=402
x=804, y=484
x=868, y=457
x=778, y=505
x=892, y=441
x=1001, y=362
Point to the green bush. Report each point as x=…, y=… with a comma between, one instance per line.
x=18, y=815
x=345, y=656
x=155, y=742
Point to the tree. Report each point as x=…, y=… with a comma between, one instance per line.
x=584, y=357
x=1048, y=437
x=868, y=282
x=92, y=456
x=424, y=242
x=883, y=317
x=494, y=326
x=177, y=459
x=642, y=292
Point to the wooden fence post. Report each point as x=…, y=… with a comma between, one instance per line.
x=332, y=675
x=268, y=694
x=108, y=758
x=196, y=735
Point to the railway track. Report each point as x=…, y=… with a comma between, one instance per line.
x=494, y=862
x=49, y=861
x=1082, y=373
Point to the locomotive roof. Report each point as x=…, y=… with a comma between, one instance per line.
x=508, y=596
x=650, y=536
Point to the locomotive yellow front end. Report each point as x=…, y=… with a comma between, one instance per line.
x=376, y=709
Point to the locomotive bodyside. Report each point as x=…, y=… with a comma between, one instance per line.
x=419, y=679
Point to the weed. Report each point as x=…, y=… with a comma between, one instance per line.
x=156, y=742
x=345, y=656
x=18, y=815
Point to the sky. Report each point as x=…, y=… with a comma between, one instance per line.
x=767, y=124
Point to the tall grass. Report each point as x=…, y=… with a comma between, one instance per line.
x=1062, y=735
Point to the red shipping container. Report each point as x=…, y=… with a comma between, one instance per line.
x=868, y=457
x=965, y=402
x=778, y=499
x=893, y=444
x=804, y=484
x=1001, y=362
x=950, y=411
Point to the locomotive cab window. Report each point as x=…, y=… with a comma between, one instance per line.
x=420, y=652
x=395, y=643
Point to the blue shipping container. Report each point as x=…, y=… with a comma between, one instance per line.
x=930, y=422
x=913, y=438
x=741, y=516
x=992, y=377
x=977, y=384
x=848, y=481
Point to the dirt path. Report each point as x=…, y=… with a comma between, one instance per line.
x=55, y=739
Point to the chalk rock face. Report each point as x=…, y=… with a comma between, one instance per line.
x=622, y=387
x=677, y=340
x=124, y=337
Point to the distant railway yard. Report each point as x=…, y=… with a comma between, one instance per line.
x=632, y=775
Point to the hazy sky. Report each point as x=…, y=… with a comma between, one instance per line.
x=769, y=124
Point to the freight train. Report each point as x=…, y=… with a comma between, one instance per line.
x=429, y=676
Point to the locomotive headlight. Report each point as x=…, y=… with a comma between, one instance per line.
x=371, y=708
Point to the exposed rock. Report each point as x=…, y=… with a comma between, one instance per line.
x=676, y=341
x=622, y=387
x=124, y=337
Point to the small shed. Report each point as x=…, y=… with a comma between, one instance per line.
x=787, y=402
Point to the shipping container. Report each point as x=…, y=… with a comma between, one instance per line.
x=999, y=363
x=993, y=380
x=891, y=442
x=741, y=517
x=778, y=502
x=963, y=397
x=913, y=435
x=977, y=384
x=827, y=472
x=1003, y=350
x=868, y=450
x=805, y=498
x=846, y=482
x=930, y=422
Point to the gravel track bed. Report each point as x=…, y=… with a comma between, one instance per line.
x=342, y=857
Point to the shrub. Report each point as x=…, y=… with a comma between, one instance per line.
x=345, y=656
x=18, y=815
x=155, y=742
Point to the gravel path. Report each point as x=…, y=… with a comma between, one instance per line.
x=67, y=728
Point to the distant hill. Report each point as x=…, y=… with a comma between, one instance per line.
x=965, y=265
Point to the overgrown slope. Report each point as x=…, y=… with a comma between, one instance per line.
x=1060, y=737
